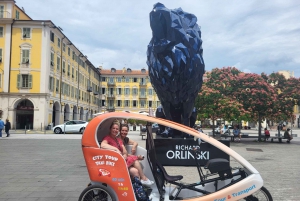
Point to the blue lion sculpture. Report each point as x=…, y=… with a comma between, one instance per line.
x=174, y=58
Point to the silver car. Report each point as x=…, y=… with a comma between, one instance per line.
x=75, y=126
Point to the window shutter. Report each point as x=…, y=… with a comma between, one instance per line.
x=19, y=81
x=30, y=81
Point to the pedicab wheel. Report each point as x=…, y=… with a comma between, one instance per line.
x=261, y=195
x=97, y=193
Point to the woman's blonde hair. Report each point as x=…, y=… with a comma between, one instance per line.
x=115, y=122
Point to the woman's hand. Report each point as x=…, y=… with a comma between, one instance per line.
x=141, y=157
x=133, y=150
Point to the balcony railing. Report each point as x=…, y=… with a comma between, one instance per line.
x=5, y=14
x=89, y=89
x=110, y=95
x=142, y=96
x=111, y=84
x=110, y=108
x=144, y=84
x=96, y=93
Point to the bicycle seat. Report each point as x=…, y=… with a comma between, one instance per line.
x=168, y=178
x=217, y=165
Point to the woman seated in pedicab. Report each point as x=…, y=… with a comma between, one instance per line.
x=111, y=141
x=126, y=140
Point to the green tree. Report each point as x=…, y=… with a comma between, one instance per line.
x=257, y=96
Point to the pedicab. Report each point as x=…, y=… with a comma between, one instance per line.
x=110, y=179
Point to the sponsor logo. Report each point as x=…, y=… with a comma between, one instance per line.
x=124, y=194
x=221, y=199
x=183, y=152
x=104, y=172
x=118, y=179
x=247, y=190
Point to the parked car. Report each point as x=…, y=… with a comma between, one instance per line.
x=75, y=126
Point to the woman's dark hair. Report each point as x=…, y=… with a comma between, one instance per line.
x=124, y=125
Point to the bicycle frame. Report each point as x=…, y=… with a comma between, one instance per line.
x=108, y=168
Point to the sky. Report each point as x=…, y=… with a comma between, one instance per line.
x=255, y=36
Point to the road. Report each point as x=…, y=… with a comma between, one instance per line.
x=39, y=167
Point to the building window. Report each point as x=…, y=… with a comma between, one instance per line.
x=126, y=103
x=119, y=103
x=1, y=11
x=64, y=66
x=103, y=103
x=0, y=55
x=127, y=91
x=149, y=103
x=52, y=36
x=119, y=91
x=150, y=92
x=119, y=79
x=1, y=32
x=103, y=90
x=134, y=103
x=135, y=79
x=58, y=63
x=157, y=103
x=143, y=92
x=26, y=32
x=111, y=80
x=128, y=70
x=52, y=59
x=72, y=72
x=64, y=47
x=69, y=50
x=134, y=91
x=24, y=81
x=142, y=103
x=17, y=15
x=51, y=83
x=25, y=56
x=58, y=42
x=127, y=79
x=57, y=85
x=76, y=73
x=68, y=69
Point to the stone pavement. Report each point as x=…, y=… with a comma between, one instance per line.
x=49, y=167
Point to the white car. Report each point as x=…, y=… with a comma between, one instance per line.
x=75, y=126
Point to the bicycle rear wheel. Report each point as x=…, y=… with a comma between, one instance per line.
x=97, y=193
x=261, y=195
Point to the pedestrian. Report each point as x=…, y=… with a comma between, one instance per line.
x=267, y=134
x=7, y=127
x=287, y=135
x=237, y=133
x=1, y=127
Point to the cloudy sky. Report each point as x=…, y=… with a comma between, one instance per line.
x=255, y=36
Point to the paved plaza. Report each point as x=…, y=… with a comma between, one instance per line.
x=39, y=167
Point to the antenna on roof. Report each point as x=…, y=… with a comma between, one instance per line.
x=23, y=9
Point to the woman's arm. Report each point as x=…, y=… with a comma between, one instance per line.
x=125, y=154
x=105, y=145
x=134, y=146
